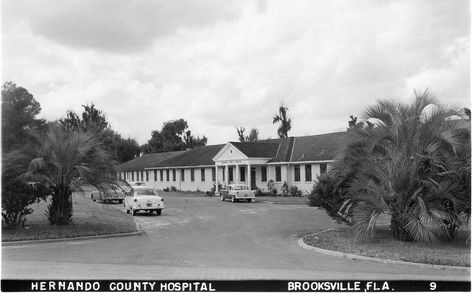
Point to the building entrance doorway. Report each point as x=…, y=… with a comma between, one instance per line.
x=253, y=181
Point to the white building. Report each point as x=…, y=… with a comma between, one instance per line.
x=296, y=160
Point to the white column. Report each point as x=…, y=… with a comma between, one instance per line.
x=178, y=178
x=226, y=179
x=237, y=175
x=248, y=176
x=217, y=180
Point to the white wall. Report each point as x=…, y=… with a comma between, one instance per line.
x=287, y=175
x=187, y=184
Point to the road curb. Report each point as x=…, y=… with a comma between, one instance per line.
x=350, y=256
x=283, y=202
x=116, y=235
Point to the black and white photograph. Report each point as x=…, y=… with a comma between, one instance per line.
x=236, y=146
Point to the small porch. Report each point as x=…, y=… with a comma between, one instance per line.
x=235, y=167
x=236, y=173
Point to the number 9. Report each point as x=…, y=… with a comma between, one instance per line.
x=433, y=286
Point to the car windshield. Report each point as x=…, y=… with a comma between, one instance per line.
x=108, y=188
x=121, y=183
x=240, y=187
x=148, y=191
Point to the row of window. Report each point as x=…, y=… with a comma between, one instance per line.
x=141, y=175
x=242, y=170
x=307, y=172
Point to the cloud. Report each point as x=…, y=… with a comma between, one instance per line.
x=325, y=60
x=120, y=26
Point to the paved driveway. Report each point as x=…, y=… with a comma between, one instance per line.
x=203, y=238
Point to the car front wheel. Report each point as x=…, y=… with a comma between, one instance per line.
x=158, y=212
x=233, y=199
x=134, y=212
x=222, y=198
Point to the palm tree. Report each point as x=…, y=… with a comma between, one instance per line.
x=63, y=162
x=407, y=166
x=285, y=122
x=240, y=133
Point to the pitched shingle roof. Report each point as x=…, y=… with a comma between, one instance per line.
x=317, y=147
x=146, y=161
x=320, y=147
x=284, y=152
x=200, y=156
x=259, y=149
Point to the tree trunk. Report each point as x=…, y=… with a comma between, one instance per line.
x=60, y=210
x=398, y=229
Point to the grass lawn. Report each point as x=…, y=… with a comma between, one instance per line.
x=454, y=253
x=90, y=218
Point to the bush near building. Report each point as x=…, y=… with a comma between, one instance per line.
x=327, y=195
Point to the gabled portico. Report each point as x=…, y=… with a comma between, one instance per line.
x=231, y=158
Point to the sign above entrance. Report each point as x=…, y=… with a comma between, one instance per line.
x=231, y=162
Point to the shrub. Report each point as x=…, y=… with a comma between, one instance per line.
x=259, y=192
x=212, y=192
x=16, y=199
x=173, y=188
x=18, y=194
x=271, y=188
x=327, y=195
x=166, y=189
x=284, y=189
x=294, y=191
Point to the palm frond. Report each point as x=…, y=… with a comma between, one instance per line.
x=409, y=165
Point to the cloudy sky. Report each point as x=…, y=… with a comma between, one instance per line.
x=222, y=64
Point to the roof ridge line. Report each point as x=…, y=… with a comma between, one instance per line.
x=278, y=150
x=292, y=147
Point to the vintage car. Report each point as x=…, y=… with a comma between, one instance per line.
x=236, y=192
x=108, y=192
x=137, y=183
x=126, y=188
x=144, y=198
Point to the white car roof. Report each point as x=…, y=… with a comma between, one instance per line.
x=142, y=187
x=137, y=182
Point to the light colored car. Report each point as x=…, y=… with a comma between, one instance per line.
x=236, y=192
x=144, y=198
x=137, y=183
x=107, y=193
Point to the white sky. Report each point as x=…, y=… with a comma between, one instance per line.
x=222, y=64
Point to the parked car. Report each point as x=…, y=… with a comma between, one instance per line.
x=126, y=188
x=144, y=198
x=137, y=183
x=107, y=193
x=236, y=192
